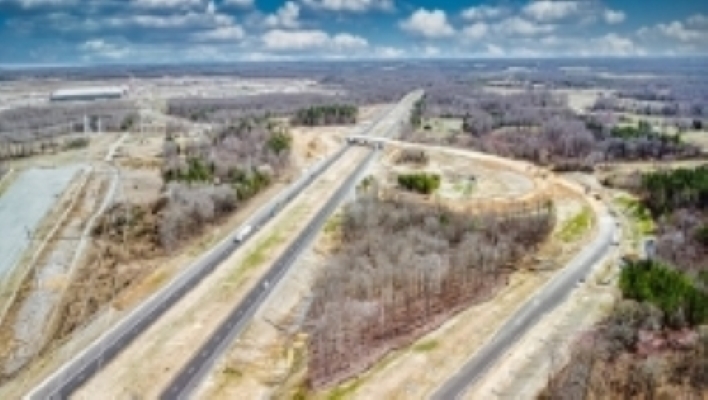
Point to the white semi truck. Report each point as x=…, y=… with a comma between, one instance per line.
x=242, y=233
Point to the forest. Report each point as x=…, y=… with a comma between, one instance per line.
x=651, y=345
x=538, y=126
x=331, y=114
x=401, y=269
x=39, y=123
x=206, y=180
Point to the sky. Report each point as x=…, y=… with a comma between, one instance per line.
x=60, y=32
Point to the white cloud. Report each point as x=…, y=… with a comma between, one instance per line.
x=356, y=6
x=389, y=52
x=309, y=40
x=494, y=50
x=698, y=21
x=613, y=17
x=431, y=51
x=28, y=4
x=170, y=21
x=483, y=12
x=677, y=30
x=475, y=31
x=166, y=4
x=612, y=44
x=517, y=26
x=239, y=3
x=102, y=49
x=549, y=11
x=224, y=33
x=429, y=24
x=692, y=33
x=286, y=16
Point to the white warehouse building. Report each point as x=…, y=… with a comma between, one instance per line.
x=90, y=93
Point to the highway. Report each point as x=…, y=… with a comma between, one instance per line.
x=192, y=373
x=62, y=383
x=550, y=295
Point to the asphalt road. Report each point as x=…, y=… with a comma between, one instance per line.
x=551, y=295
x=198, y=366
x=191, y=374
x=62, y=383
x=74, y=373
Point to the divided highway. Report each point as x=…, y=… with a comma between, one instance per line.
x=191, y=374
x=83, y=366
x=551, y=295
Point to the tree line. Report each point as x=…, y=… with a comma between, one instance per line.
x=649, y=346
x=538, y=126
x=330, y=114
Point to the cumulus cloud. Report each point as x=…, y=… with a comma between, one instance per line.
x=355, y=6
x=475, y=31
x=167, y=4
x=429, y=24
x=224, y=33
x=613, y=17
x=677, y=30
x=692, y=31
x=494, y=50
x=311, y=40
x=613, y=44
x=389, y=52
x=483, y=12
x=102, y=49
x=31, y=4
x=169, y=21
x=517, y=26
x=550, y=11
x=285, y=17
x=698, y=21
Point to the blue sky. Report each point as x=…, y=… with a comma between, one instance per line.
x=137, y=31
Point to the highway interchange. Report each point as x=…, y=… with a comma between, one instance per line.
x=193, y=372
x=72, y=375
x=75, y=373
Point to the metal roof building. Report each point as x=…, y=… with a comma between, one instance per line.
x=90, y=93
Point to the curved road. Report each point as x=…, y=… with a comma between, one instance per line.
x=551, y=295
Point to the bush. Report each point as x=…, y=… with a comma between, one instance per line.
x=420, y=183
x=280, y=142
x=668, y=289
x=76, y=143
